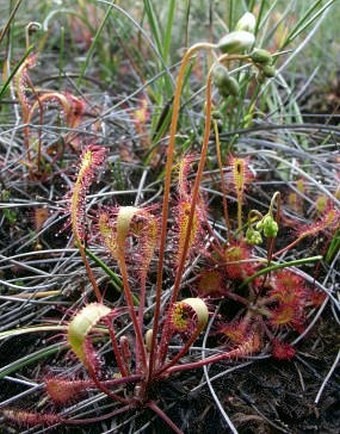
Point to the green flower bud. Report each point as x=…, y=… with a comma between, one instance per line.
x=216, y=115
x=269, y=71
x=225, y=84
x=270, y=227
x=247, y=22
x=261, y=56
x=253, y=237
x=236, y=42
x=231, y=87
x=271, y=230
x=220, y=73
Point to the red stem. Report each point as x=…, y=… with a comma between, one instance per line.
x=166, y=197
x=140, y=348
x=89, y=270
x=41, y=120
x=153, y=406
x=216, y=246
x=116, y=349
x=101, y=385
x=181, y=353
x=223, y=186
x=115, y=382
x=142, y=303
x=213, y=359
x=284, y=249
x=164, y=344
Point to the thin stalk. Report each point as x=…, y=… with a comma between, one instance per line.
x=168, y=30
x=92, y=372
x=223, y=186
x=187, y=21
x=194, y=198
x=116, y=282
x=251, y=5
x=333, y=247
x=140, y=348
x=231, y=13
x=10, y=19
x=239, y=213
x=41, y=120
x=199, y=364
x=195, y=193
x=228, y=58
x=182, y=352
x=93, y=44
x=153, y=406
x=328, y=376
x=259, y=16
x=216, y=245
x=61, y=55
x=271, y=240
x=279, y=266
x=292, y=244
x=116, y=349
x=251, y=106
x=167, y=185
x=237, y=298
x=306, y=21
x=89, y=270
x=24, y=109
x=141, y=307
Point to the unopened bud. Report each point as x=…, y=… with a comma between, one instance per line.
x=236, y=42
x=247, y=22
x=269, y=226
x=216, y=115
x=261, y=56
x=253, y=237
x=269, y=71
x=225, y=84
x=148, y=340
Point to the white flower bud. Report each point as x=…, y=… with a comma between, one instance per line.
x=247, y=23
x=236, y=42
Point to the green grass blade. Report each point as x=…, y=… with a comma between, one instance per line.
x=259, y=16
x=61, y=55
x=187, y=22
x=168, y=30
x=14, y=71
x=231, y=14
x=93, y=45
x=10, y=19
x=279, y=266
x=115, y=279
x=162, y=42
x=35, y=329
x=333, y=247
x=155, y=29
x=31, y=358
x=307, y=20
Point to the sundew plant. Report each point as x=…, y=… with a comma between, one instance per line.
x=180, y=229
